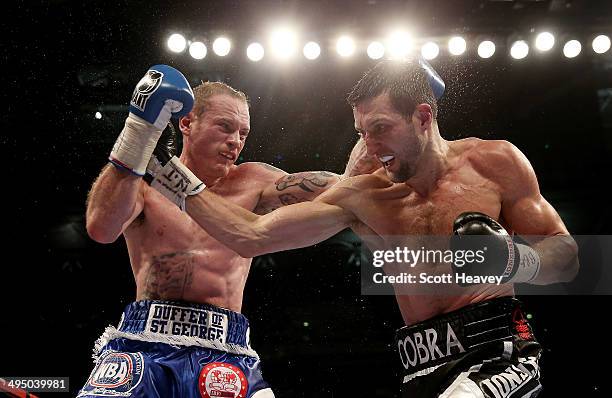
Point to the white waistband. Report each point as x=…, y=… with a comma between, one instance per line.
x=111, y=333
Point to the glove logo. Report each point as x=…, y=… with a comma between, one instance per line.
x=145, y=87
x=220, y=379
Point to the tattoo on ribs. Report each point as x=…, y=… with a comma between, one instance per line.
x=309, y=181
x=168, y=276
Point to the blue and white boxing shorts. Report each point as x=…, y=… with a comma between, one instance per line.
x=176, y=349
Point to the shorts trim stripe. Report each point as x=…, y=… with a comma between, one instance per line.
x=508, y=348
x=489, y=341
x=111, y=333
x=484, y=320
x=487, y=331
x=422, y=372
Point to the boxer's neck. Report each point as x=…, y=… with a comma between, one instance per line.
x=208, y=180
x=433, y=163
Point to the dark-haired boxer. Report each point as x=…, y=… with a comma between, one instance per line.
x=185, y=335
x=462, y=341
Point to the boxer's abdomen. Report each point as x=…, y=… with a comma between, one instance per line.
x=173, y=258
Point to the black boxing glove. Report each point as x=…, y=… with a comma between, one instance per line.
x=514, y=262
x=168, y=175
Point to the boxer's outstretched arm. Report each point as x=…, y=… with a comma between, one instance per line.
x=248, y=234
x=287, y=189
x=530, y=215
x=281, y=188
x=115, y=200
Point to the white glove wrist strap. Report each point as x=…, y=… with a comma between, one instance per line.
x=135, y=144
x=528, y=264
x=175, y=181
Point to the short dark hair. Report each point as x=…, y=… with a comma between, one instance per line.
x=405, y=81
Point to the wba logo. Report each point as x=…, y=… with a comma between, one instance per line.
x=145, y=87
x=118, y=371
x=116, y=374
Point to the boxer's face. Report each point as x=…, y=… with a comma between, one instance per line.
x=216, y=136
x=389, y=136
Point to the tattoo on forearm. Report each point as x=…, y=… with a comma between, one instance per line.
x=168, y=276
x=308, y=182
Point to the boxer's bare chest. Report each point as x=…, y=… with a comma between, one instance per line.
x=431, y=214
x=165, y=225
x=417, y=221
x=173, y=258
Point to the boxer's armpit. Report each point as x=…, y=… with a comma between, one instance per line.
x=139, y=220
x=168, y=276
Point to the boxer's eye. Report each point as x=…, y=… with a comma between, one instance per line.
x=380, y=128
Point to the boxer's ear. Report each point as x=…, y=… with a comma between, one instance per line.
x=424, y=115
x=185, y=123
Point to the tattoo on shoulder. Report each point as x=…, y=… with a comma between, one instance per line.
x=169, y=276
x=308, y=181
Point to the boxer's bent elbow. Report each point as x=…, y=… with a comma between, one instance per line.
x=100, y=231
x=246, y=251
x=251, y=246
x=571, y=271
x=253, y=240
x=570, y=268
x=573, y=266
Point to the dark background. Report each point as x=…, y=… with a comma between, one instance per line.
x=63, y=60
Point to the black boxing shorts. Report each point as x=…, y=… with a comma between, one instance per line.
x=483, y=350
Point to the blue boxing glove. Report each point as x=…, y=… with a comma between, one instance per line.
x=163, y=92
x=435, y=81
x=513, y=262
